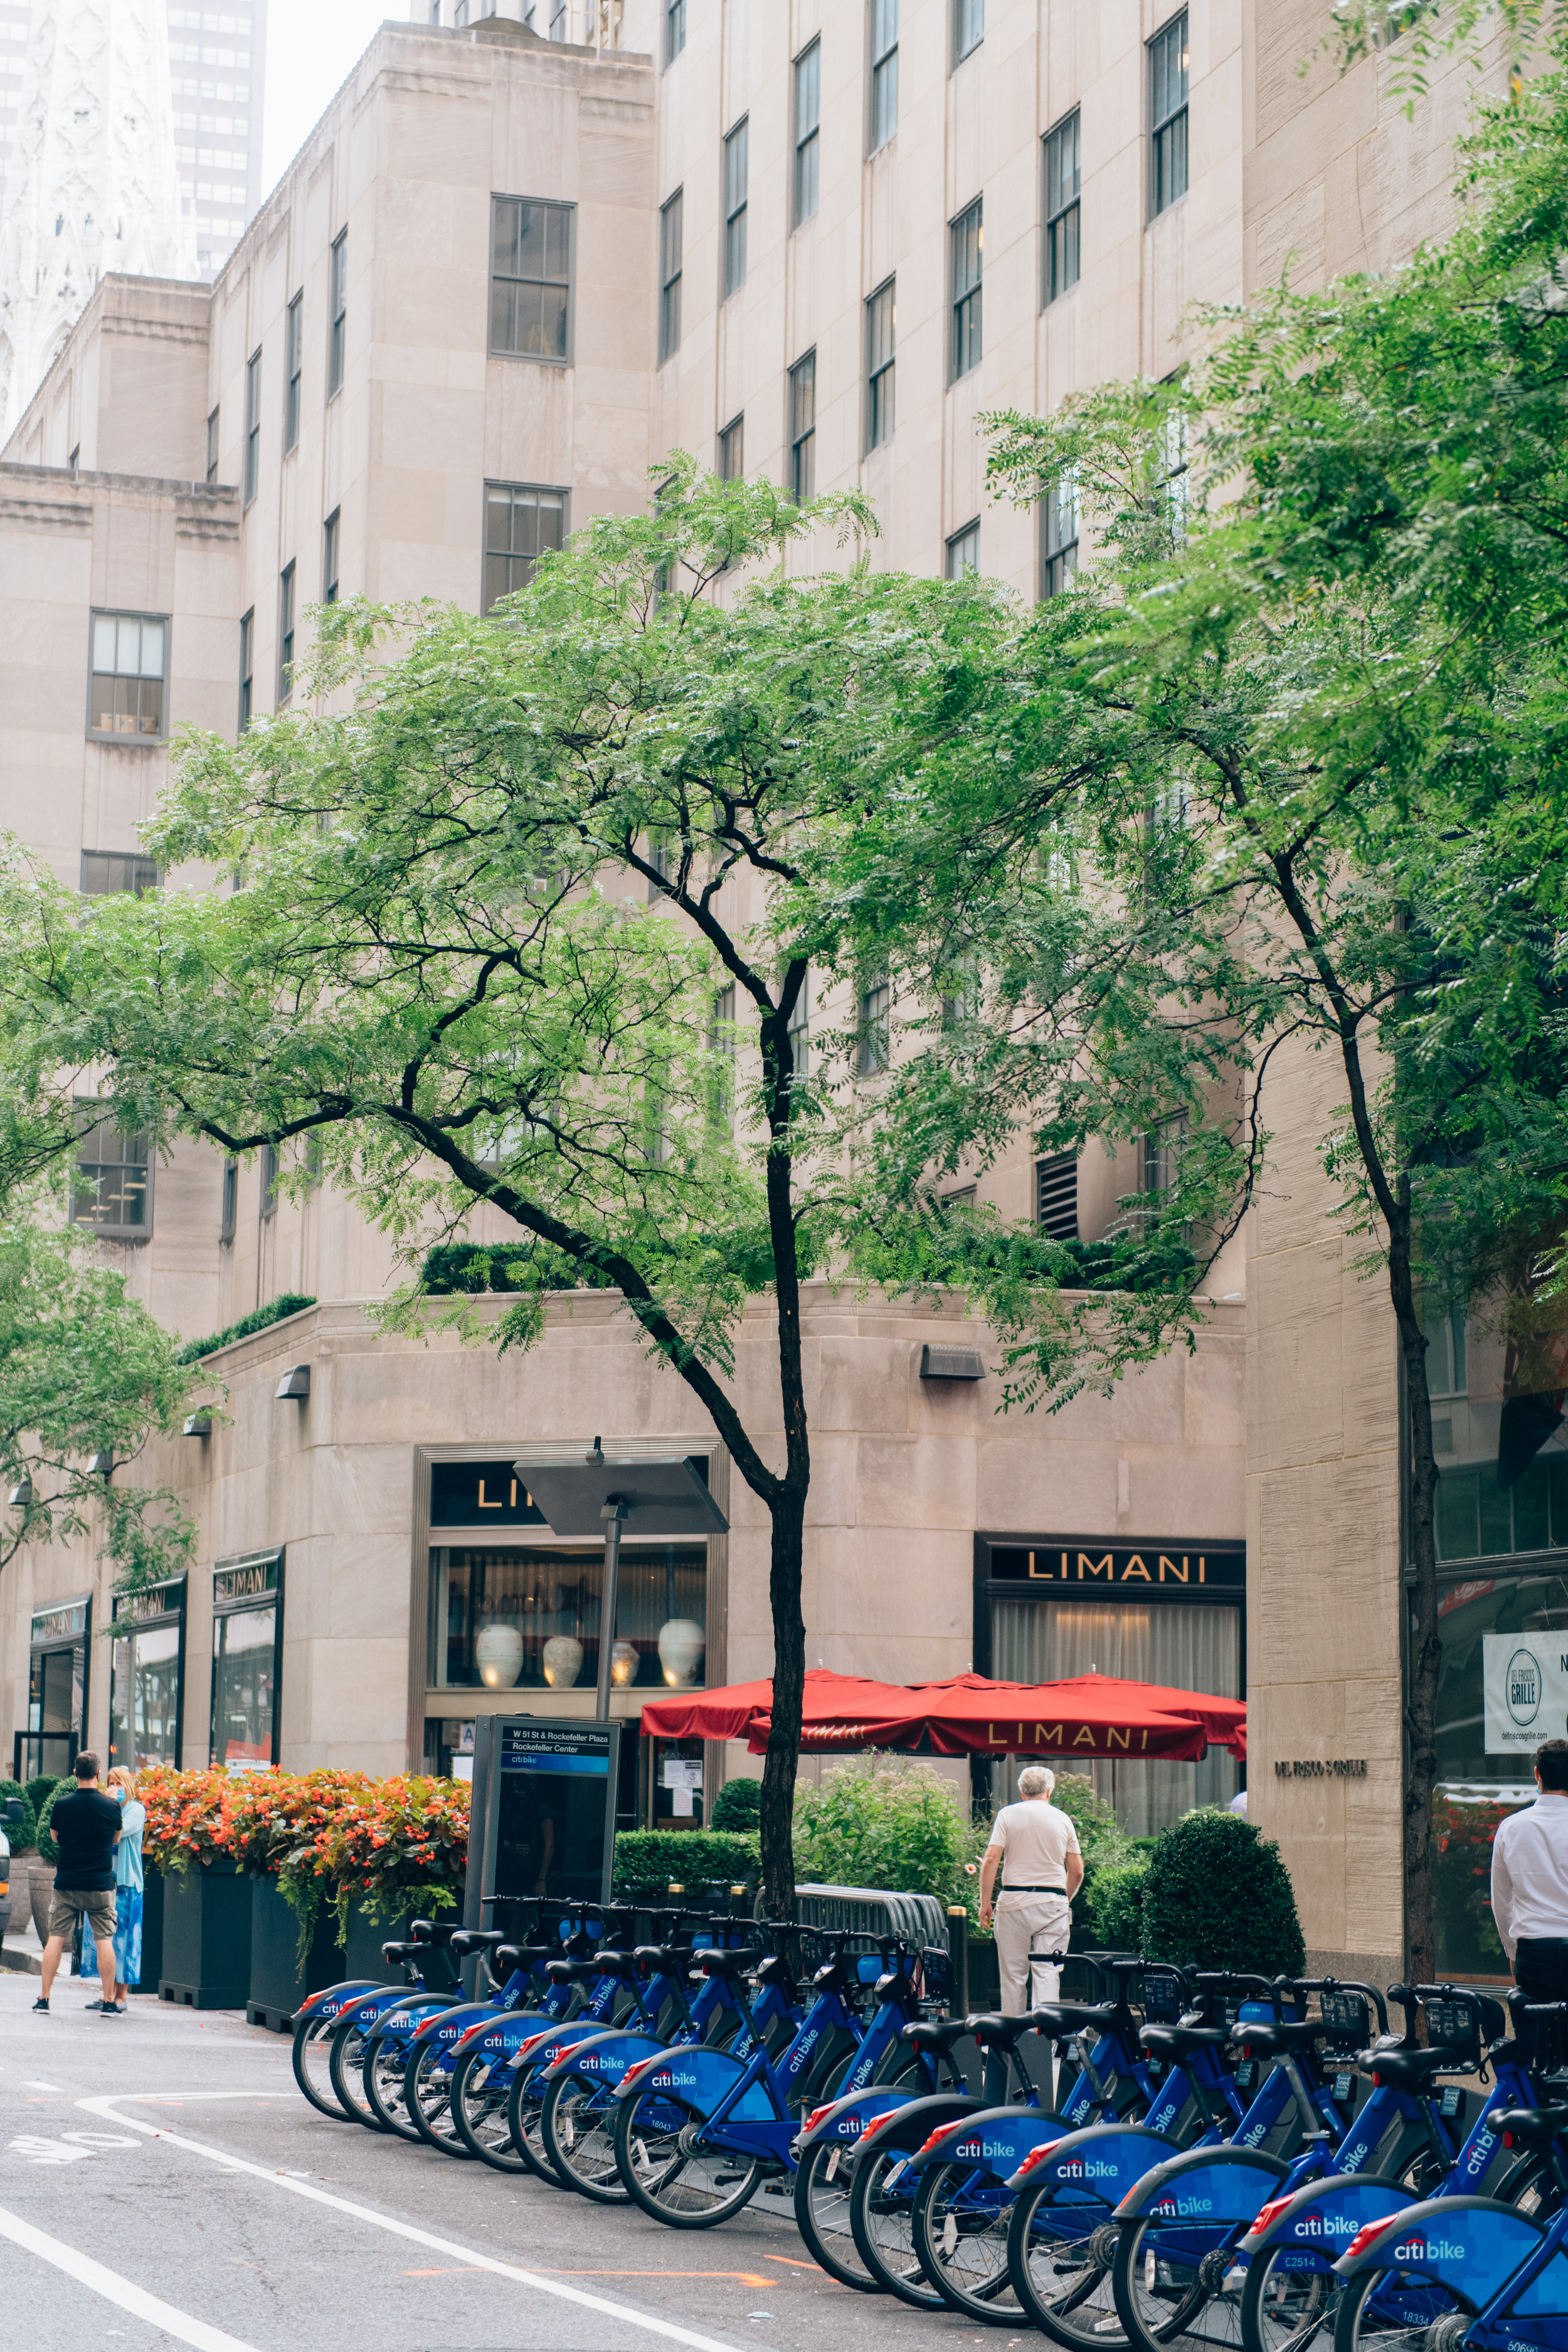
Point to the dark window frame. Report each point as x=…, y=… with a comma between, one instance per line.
x=212, y=444
x=288, y=624
x=127, y=738
x=958, y=542
x=671, y=267
x=338, y=312
x=731, y=465
x=246, y=667
x=735, y=167
x=567, y=283
x=332, y=532
x=1059, y=537
x=510, y=556
x=801, y=384
x=252, y=425
x=1061, y=208
x=966, y=337
x=873, y=1028
x=806, y=170
x=294, y=366
x=674, y=29
x=882, y=81
x=142, y=873
x=881, y=365
x=1169, y=172
x=968, y=28
x=228, y=1204
x=112, y=1228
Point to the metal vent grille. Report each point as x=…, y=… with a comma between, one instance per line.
x=952, y=1364
x=1056, y=1196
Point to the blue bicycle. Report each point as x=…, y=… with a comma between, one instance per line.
x=428, y=1977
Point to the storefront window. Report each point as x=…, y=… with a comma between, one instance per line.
x=145, y=1694
x=248, y=1627
x=57, y=1688
x=527, y=1617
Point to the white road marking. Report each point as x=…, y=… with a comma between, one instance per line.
x=119, y=2291
x=31, y=2083
x=108, y=2106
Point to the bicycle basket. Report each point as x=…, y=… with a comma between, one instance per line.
x=1346, y=2016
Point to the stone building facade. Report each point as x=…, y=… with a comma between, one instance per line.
x=742, y=218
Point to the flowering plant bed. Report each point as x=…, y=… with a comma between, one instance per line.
x=190, y=1818
x=402, y=1846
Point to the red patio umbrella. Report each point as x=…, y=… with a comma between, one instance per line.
x=847, y=1700
x=1224, y=1719
x=970, y=1715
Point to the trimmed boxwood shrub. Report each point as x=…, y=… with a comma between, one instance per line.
x=738, y=1807
x=260, y=1318
x=646, y=1860
x=1115, y=1904
x=21, y=1833
x=36, y=1792
x=1217, y=1896
x=48, y=1850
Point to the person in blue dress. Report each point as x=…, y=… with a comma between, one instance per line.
x=128, y=1885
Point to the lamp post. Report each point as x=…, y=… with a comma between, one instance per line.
x=665, y=1495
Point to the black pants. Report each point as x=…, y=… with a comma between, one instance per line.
x=1541, y=1972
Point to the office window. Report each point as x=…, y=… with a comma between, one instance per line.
x=967, y=239
x=882, y=315
x=105, y=873
x=963, y=550
x=797, y=1028
x=228, y=1213
x=286, y=633
x=669, y=276
x=521, y=523
x=269, y=1179
x=126, y=696
x=252, y=425
x=557, y=20
x=1061, y=207
x=1174, y=477
x=530, y=279
x=803, y=429
x=872, y=1028
x=338, y=312
x=884, y=71
x=968, y=25
x=1168, y=114
x=293, y=349
x=722, y=1046
x=735, y=178
x=732, y=451
x=211, y=446
x=1163, y=1149
x=112, y=1186
x=330, y=559
x=1056, y=1196
x=247, y=666
x=74, y=460
x=674, y=29
x=807, y=131
x=1058, y=536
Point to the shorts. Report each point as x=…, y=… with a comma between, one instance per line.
x=95, y=1905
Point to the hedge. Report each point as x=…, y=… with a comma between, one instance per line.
x=48, y=1850
x=1115, y=1904
x=738, y=1807
x=291, y=1302
x=25, y=1832
x=646, y=1861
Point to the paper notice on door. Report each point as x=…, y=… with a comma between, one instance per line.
x=680, y=1803
x=1525, y=1682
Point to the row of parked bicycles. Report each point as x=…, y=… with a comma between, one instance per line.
x=1189, y=2157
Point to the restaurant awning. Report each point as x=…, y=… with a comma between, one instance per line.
x=1224, y=1719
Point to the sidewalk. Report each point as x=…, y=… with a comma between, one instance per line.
x=20, y=1948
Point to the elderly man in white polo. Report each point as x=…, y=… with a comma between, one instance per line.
x=1034, y=1907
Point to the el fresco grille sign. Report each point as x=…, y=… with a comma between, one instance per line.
x=1525, y=1679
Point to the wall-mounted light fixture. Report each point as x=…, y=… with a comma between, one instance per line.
x=197, y=1424
x=296, y=1383
x=21, y=1494
x=103, y=1463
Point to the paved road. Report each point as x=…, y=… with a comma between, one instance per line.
x=173, y=2151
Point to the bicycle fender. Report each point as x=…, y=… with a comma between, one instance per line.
x=998, y=2137
x=535, y=2051
x=1324, y=2216
x=399, y=2025
x=365, y=2015
x=332, y=1999
x=700, y=2078
x=605, y=2056
x=1217, y=2186
x=1106, y=2160
x=503, y=2032
x=1470, y=2245
x=892, y=2117
x=449, y=2025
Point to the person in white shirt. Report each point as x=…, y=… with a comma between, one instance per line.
x=1033, y=1908
x=1529, y=1881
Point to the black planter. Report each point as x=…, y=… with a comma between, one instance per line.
x=151, y=1930
x=279, y=1978
x=984, y=1975
x=206, y=1938
x=361, y=1955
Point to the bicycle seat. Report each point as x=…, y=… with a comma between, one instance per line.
x=934, y=2034
x=1408, y=2070
x=477, y=1939
x=715, y=1962
x=663, y=1957
x=995, y=2032
x=396, y=1952
x=562, y=1972
x=1074, y=2016
x=425, y=1931
x=1535, y=2125
x=525, y=1956
x=1274, y=2039
x=622, y=1966
x=1176, y=2042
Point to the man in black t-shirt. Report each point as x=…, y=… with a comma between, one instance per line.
x=86, y=1828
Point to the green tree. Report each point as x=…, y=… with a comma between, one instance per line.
x=86, y=1378
x=1298, y=728
x=532, y=924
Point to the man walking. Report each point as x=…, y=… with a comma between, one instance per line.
x=85, y=1826
x=1529, y=1881
x=1033, y=1909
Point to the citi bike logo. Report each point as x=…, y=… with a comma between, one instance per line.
x=1480, y=2156
x=1325, y=2225
x=1176, y=2208
x=1085, y=2167
x=1430, y=2249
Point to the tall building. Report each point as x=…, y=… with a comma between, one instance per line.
x=813, y=245
x=216, y=73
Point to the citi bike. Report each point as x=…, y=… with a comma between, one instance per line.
x=353, y=2006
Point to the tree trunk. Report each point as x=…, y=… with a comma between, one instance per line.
x=789, y=1690
x=1425, y=1649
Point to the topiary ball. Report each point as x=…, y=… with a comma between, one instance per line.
x=738, y=1807
x=1217, y=1896
x=19, y=1834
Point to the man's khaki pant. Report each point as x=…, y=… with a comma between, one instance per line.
x=1026, y=1923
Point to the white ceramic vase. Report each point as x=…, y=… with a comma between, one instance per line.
x=623, y=1664
x=563, y=1661
x=681, y=1642
x=497, y=1653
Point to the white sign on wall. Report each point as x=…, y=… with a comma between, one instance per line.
x=1525, y=1679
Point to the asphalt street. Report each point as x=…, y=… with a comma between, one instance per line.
x=162, y=2182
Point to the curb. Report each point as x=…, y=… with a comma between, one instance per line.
x=27, y=1964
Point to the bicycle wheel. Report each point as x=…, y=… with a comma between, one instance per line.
x=312, y=2064
x=961, y=2216
x=1060, y=2247
x=577, y=2128
x=1407, y=2311
x=672, y=2178
x=525, y=2116
x=1168, y=2287
x=1285, y=2309
x=823, y=2183
x=349, y=2048
x=481, y=2092
x=427, y=2100
x=881, y=2219
x=382, y=2071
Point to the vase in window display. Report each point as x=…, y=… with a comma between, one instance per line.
x=681, y=1642
x=497, y=1653
x=563, y=1661
x=623, y=1664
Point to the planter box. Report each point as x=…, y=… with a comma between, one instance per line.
x=152, y=1929
x=207, y=1938
x=362, y=1958
x=279, y=1978
x=40, y=1888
